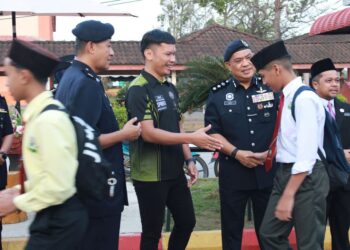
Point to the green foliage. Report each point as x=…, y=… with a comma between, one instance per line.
x=342, y=98
x=195, y=82
x=119, y=112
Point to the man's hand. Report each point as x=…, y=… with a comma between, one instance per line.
x=248, y=159
x=193, y=173
x=131, y=131
x=347, y=154
x=261, y=156
x=202, y=140
x=284, y=208
x=6, y=201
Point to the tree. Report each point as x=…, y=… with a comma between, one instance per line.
x=181, y=17
x=195, y=82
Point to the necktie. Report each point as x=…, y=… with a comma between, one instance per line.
x=330, y=109
x=273, y=145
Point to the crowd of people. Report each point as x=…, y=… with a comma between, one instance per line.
x=267, y=154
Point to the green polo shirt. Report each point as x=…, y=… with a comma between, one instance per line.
x=149, y=99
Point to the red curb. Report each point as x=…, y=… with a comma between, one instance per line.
x=250, y=242
x=132, y=242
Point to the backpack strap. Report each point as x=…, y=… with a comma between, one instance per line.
x=296, y=94
x=53, y=107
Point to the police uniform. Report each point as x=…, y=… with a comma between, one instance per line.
x=5, y=129
x=246, y=118
x=81, y=91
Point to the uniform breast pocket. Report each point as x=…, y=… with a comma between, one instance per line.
x=265, y=116
x=231, y=117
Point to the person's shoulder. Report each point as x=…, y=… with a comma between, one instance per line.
x=219, y=86
x=342, y=104
x=139, y=81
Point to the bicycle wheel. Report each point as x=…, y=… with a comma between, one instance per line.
x=216, y=167
x=202, y=167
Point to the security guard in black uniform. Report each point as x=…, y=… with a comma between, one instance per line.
x=6, y=135
x=242, y=112
x=82, y=92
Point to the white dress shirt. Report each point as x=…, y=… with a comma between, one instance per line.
x=299, y=140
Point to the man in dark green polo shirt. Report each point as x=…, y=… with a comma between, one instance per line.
x=158, y=156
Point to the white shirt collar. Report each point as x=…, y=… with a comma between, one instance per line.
x=292, y=86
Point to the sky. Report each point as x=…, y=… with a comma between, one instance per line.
x=126, y=28
x=133, y=28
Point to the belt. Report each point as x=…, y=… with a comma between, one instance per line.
x=282, y=164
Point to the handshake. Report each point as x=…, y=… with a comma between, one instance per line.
x=251, y=159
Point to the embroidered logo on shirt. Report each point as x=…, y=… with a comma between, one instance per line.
x=161, y=103
x=32, y=145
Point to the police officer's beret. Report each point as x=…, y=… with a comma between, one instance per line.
x=272, y=52
x=233, y=47
x=321, y=66
x=38, y=60
x=93, y=31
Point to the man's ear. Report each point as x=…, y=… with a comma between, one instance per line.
x=149, y=54
x=90, y=47
x=277, y=69
x=314, y=84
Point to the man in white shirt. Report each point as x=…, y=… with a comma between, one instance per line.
x=326, y=82
x=301, y=184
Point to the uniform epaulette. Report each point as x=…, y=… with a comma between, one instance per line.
x=90, y=74
x=220, y=85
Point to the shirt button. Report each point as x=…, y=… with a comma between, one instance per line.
x=248, y=108
x=247, y=96
x=226, y=158
x=252, y=132
x=253, y=144
x=230, y=110
x=249, y=120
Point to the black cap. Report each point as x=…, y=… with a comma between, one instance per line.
x=321, y=66
x=93, y=31
x=272, y=52
x=233, y=47
x=38, y=60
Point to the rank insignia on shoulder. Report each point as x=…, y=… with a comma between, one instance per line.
x=220, y=85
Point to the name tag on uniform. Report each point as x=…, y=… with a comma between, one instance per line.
x=346, y=114
x=263, y=97
x=161, y=103
x=3, y=110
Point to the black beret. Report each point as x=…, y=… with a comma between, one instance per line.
x=233, y=47
x=38, y=60
x=321, y=66
x=272, y=52
x=93, y=31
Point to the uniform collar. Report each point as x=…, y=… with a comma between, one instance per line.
x=292, y=86
x=35, y=107
x=86, y=69
x=255, y=82
x=152, y=80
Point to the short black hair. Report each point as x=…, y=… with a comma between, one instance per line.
x=156, y=36
x=41, y=79
x=79, y=45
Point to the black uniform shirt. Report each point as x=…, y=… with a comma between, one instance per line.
x=5, y=129
x=149, y=99
x=246, y=118
x=81, y=91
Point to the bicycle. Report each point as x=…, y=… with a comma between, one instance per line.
x=215, y=159
x=202, y=167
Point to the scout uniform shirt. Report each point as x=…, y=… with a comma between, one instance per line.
x=246, y=118
x=49, y=154
x=149, y=99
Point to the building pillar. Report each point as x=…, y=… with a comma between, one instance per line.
x=306, y=78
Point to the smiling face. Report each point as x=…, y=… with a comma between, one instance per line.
x=327, y=84
x=160, y=59
x=240, y=65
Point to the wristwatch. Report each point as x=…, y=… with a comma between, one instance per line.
x=234, y=153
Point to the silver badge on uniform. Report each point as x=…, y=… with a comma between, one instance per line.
x=229, y=96
x=342, y=110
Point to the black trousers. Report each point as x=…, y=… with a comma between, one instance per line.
x=58, y=227
x=152, y=198
x=102, y=233
x=233, y=207
x=339, y=218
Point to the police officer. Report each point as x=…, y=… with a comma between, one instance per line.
x=242, y=112
x=6, y=135
x=82, y=92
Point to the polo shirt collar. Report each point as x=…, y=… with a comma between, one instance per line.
x=35, y=107
x=151, y=79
